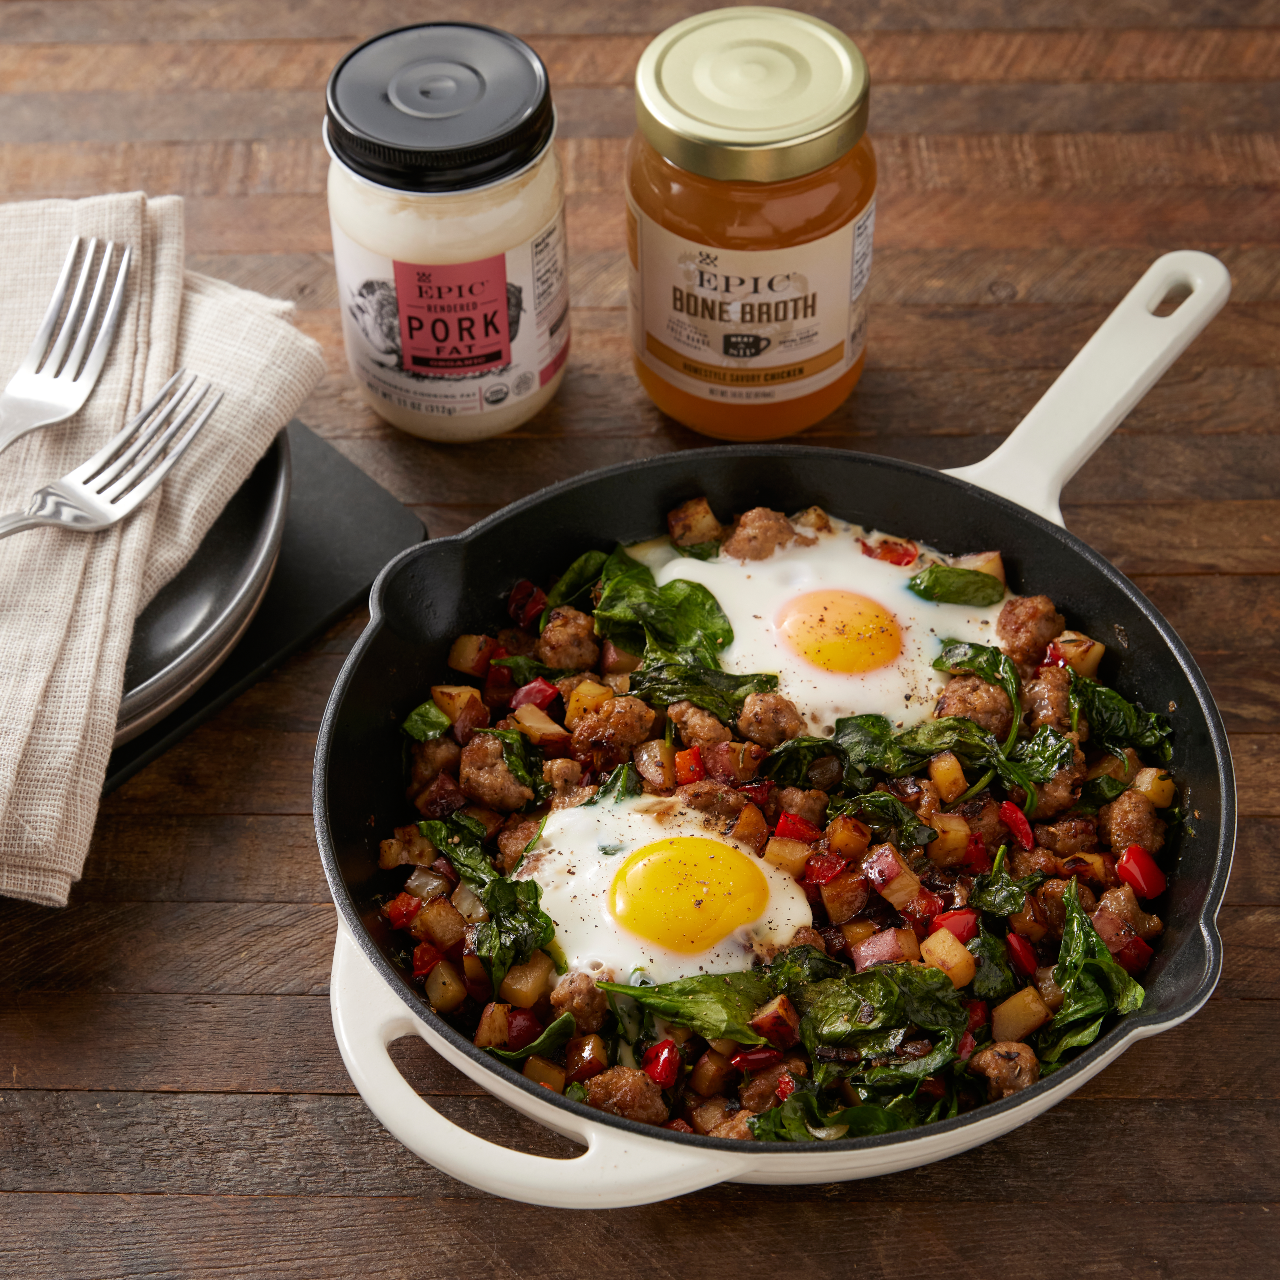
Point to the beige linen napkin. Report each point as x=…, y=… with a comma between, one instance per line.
x=68, y=601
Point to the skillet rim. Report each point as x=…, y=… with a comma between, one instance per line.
x=1130, y=1029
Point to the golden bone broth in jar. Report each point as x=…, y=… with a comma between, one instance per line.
x=446, y=203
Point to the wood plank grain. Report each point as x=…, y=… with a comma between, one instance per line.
x=915, y=57
x=285, y=1044
x=406, y=1237
x=84, y=21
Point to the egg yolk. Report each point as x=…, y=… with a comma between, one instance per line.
x=840, y=631
x=687, y=893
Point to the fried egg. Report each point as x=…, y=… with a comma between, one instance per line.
x=840, y=629
x=642, y=885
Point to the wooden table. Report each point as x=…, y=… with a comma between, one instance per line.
x=171, y=1099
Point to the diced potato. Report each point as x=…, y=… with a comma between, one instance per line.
x=693, y=522
x=813, y=518
x=1050, y=992
x=1030, y=921
x=1088, y=866
x=845, y=896
x=547, y=1074
x=733, y=762
x=1021, y=1014
x=490, y=819
x=451, y=698
x=943, y=950
x=409, y=846
x=441, y=922
x=1110, y=766
x=847, y=837
x=525, y=983
x=889, y=946
x=539, y=727
x=615, y=661
x=472, y=909
x=788, y=855
x=948, y=849
x=778, y=1022
x=427, y=884
x=1157, y=786
x=709, y=1073
x=725, y=1047
x=493, y=1030
x=587, y=697
x=751, y=828
x=445, y=988
x=890, y=876
x=1082, y=654
x=656, y=762
x=620, y=684
x=584, y=1057
x=471, y=654
x=707, y=1115
x=983, y=562
x=856, y=931
x=948, y=776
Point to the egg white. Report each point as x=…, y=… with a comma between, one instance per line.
x=575, y=860
x=753, y=592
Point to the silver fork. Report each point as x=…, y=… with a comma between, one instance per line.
x=124, y=474
x=52, y=382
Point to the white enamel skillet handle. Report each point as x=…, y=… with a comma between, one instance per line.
x=1096, y=391
x=618, y=1169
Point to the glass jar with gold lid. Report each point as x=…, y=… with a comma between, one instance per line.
x=750, y=210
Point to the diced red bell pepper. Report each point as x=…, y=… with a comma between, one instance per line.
x=1134, y=956
x=786, y=1085
x=1016, y=821
x=965, y=1048
x=963, y=922
x=976, y=858
x=1021, y=954
x=978, y=1015
x=822, y=868
x=401, y=910
x=1138, y=868
x=526, y=602
x=756, y=1059
x=425, y=958
x=926, y=905
x=899, y=551
x=523, y=1028
x=661, y=1063
x=539, y=693
x=679, y=1126
x=689, y=766
x=759, y=792
x=1053, y=657
x=791, y=826
x=499, y=687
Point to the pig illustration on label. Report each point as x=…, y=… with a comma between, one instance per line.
x=373, y=308
x=515, y=308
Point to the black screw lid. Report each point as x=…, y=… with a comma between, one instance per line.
x=439, y=107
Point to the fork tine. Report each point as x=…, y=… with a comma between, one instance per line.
x=98, y=355
x=68, y=330
x=71, y=371
x=148, y=486
x=41, y=341
x=86, y=471
x=137, y=469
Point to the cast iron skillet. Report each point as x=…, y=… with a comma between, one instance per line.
x=435, y=591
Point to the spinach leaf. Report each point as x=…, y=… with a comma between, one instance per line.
x=679, y=620
x=908, y=1070
x=801, y=1118
x=426, y=722
x=838, y=1011
x=517, y=925
x=720, y=692
x=622, y=783
x=929, y=999
x=1084, y=955
x=949, y=585
x=788, y=764
x=576, y=581
x=718, y=1006
x=1101, y=790
x=993, y=979
x=699, y=550
x=1044, y=754
x=868, y=743
x=523, y=759
x=790, y=970
x=524, y=669
x=986, y=662
x=576, y=1092
x=998, y=893
x=1052, y=1043
x=883, y=812
x=1115, y=723
x=548, y=1044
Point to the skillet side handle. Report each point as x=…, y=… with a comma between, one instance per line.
x=617, y=1170
x=1096, y=391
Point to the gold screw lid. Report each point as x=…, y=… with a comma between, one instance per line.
x=752, y=94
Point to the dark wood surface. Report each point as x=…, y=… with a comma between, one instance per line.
x=171, y=1099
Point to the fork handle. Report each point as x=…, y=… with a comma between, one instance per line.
x=17, y=521
x=18, y=416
